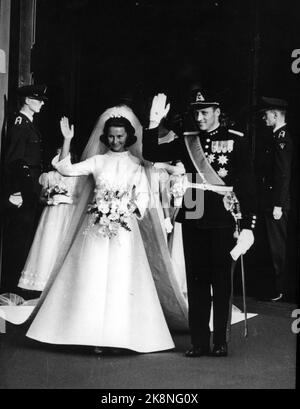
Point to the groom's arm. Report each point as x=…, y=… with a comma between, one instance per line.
x=155, y=152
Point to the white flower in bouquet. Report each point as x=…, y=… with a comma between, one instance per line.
x=104, y=221
x=103, y=207
x=114, y=216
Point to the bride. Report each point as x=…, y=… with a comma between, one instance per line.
x=104, y=294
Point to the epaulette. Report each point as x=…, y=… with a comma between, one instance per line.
x=236, y=132
x=18, y=120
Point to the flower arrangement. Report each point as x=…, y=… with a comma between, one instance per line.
x=58, y=194
x=111, y=209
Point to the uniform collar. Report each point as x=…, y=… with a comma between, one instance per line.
x=214, y=131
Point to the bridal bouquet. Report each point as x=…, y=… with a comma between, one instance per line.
x=58, y=194
x=111, y=209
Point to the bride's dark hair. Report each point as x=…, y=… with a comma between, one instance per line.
x=119, y=121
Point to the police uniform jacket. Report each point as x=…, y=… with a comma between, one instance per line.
x=23, y=160
x=275, y=169
x=228, y=154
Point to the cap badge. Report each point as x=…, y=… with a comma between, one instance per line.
x=199, y=97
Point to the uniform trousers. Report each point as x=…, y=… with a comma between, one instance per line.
x=277, y=238
x=19, y=230
x=208, y=264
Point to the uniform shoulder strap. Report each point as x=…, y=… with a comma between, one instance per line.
x=233, y=131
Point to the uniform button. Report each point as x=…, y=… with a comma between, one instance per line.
x=207, y=140
x=206, y=153
x=206, y=146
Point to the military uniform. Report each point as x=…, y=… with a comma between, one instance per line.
x=208, y=239
x=23, y=166
x=24, y=158
x=274, y=173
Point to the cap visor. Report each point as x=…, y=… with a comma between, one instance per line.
x=38, y=98
x=205, y=104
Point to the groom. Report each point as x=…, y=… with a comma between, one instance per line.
x=217, y=156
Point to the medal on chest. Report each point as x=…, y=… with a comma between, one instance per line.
x=218, y=156
x=222, y=146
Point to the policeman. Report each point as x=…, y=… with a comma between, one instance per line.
x=218, y=158
x=274, y=177
x=23, y=163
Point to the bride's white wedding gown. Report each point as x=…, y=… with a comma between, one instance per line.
x=104, y=293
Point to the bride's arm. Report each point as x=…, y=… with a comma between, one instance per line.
x=66, y=168
x=68, y=133
x=63, y=163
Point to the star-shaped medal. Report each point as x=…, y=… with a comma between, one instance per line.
x=211, y=157
x=222, y=172
x=222, y=159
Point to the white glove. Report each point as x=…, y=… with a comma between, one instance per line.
x=159, y=109
x=168, y=225
x=277, y=213
x=66, y=129
x=16, y=199
x=244, y=242
x=161, y=165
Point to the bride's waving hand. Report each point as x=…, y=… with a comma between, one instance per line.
x=68, y=134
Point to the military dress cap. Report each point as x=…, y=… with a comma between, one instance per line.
x=33, y=91
x=199, y=100
x=272, y=103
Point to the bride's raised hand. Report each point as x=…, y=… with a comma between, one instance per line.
x=66, y=129
x=159, y=108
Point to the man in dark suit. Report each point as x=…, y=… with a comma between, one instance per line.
x=23, y=165
x=274, y=168
x=219, y=159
